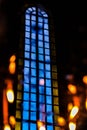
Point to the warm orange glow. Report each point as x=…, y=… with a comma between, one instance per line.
x=12, y=64
x=76, y=101
x=70, y=106
x=61, y=121
x=72, y=88
x=9, y=83
x=39, y=123
x=7, y=127
x=72, y=126
x=12, y=58
x=85, y=79
x=12, y=67
x=73, y=112
x=5, y=108
x=12, y=120
x=86, y=104
x=10, y=95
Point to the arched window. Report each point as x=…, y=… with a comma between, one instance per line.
x=37, y=90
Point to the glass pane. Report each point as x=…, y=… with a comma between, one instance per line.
x=48, y=99
x=25, y=126
x=47, y=52
x=26, y=63
x=33, y=97
x=40, y=43
x=41, y=73
x=41, y=58
x=48, y=91
x=27, y=48
x=27, y=41
x=40, y=50
x=48, y=74
x=25, y=115
x=41, y=66
x=33, y=64
x=33, y=106
x=33, y=80
x=25, y=105
x=33, y=56
x=26, y=96
x=27, y=55
x=50, y=119
x=26, y=87
x=48, y=82
x=33, y=126
x=33, y=116
x=48, y=108
x=41, y=89
x=47, y=66
x=33, y=72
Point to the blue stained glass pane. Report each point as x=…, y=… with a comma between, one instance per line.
x=26, y=96
x=33, y=56
x=48, y=74
x=26, y=87
x=27, y=55
x=33, y=106
x=47, y=67
x=46, y=45
x=33, y=35
x=33, y=97
x=26, y=79
x=40, y=19
x=33, y=64
x=27, y=28
x=48, y=82
x=33, y=126
x=45, y=26
x=27, y=34
x=40, y=25
x=33, y=116
x=33, y=17
x=41, y=66
x=49, y=127
x=41, y=73
x=27, y=41
x=25, y=115
x=40, y=37
x=46, y=32
x=40, y=50
x=41, y=89
x=26, y=71
x=48, y=91
x=41, y=57
x=25, y=126
x=26, y=63
x=40, y=43
x=48, y=99
x=34, y=8
x=47, y=59
x=50, y=119
x=46, y=38
x=27, y=22
x=41, y=98
x=27, y=16
x=46, y=20
x=33, y=23
x=27, y=47
x=30, y=9
x=25, y=105
x=47, y=52
x=48, y=108
x=33, y=80
x=33, y=88
x=33, y=49
x=33, y=72
x=33, y=42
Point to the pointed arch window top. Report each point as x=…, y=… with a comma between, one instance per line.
x=41, y=12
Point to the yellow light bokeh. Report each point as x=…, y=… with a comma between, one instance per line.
x=7, y=127
x=61, y=121
x=12, y=58
x=85, y=79
x=10, y=95
x=73, y=112
x=12, y=120
x=72, y=88
x=72, y=126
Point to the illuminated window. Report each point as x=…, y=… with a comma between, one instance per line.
x=38, y=96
